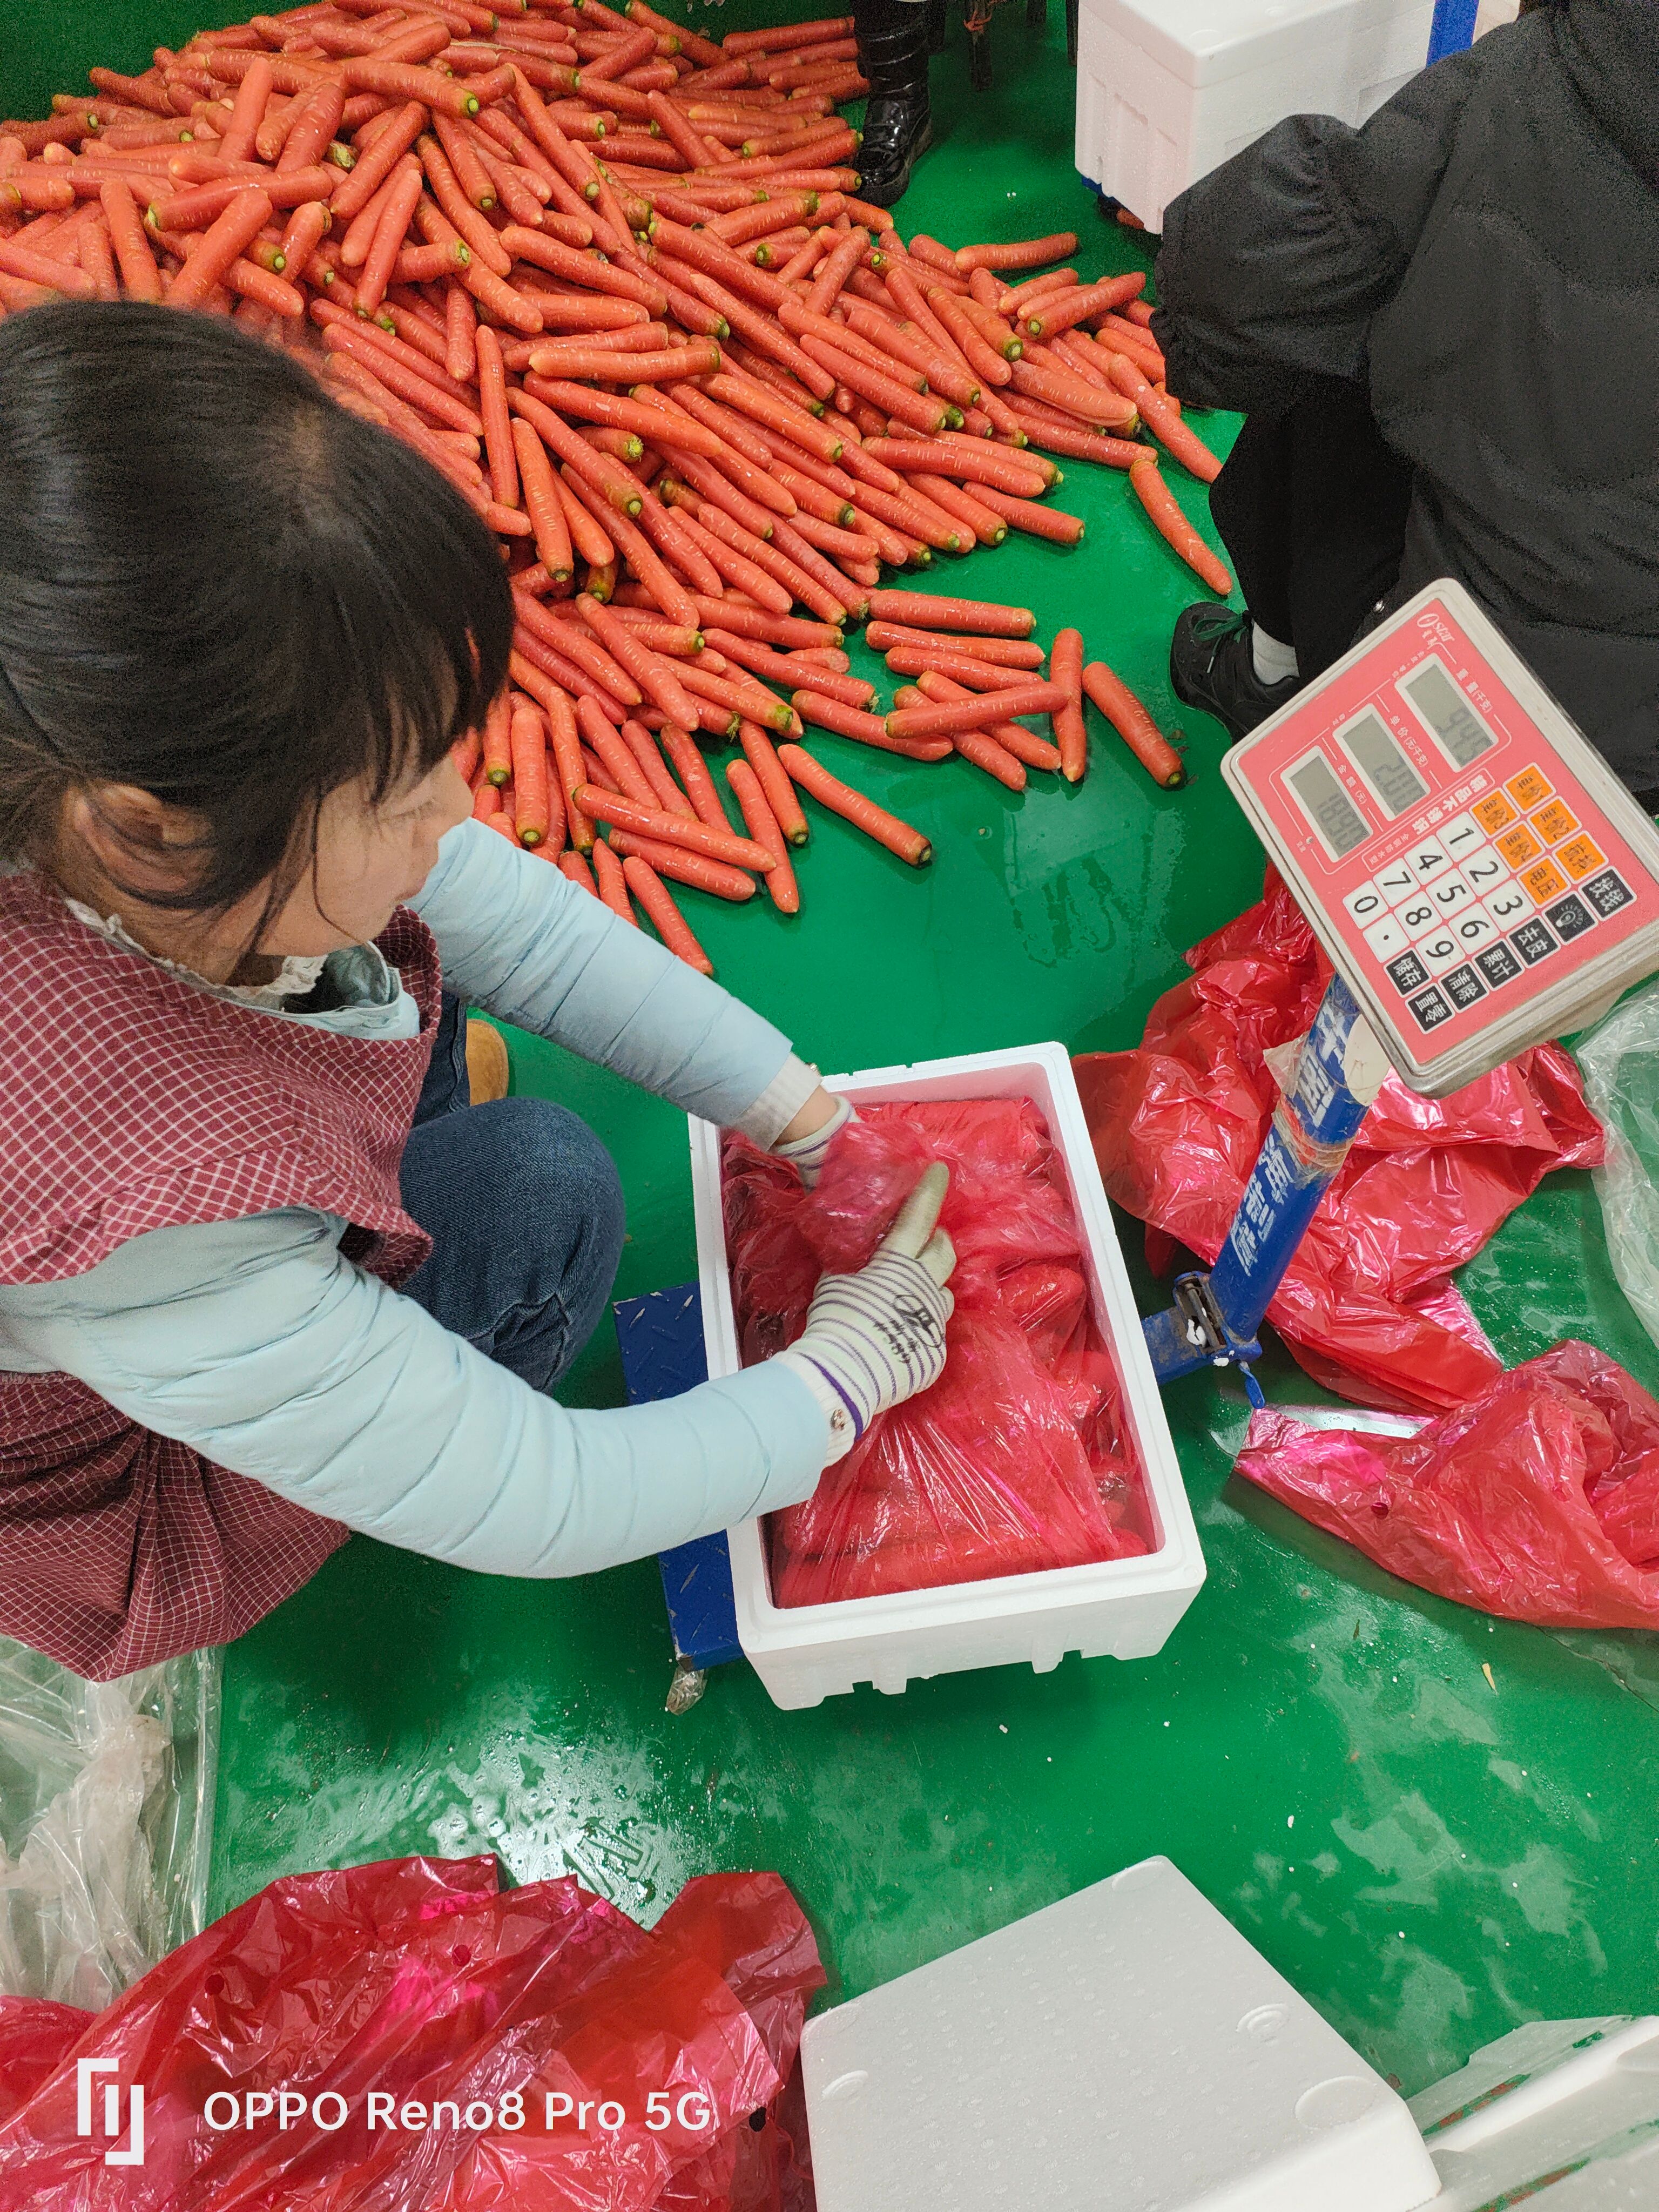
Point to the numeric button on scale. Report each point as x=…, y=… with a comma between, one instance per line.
x=1365, y=904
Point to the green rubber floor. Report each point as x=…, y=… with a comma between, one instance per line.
x=1438, y=1826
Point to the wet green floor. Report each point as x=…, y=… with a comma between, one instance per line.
x=1431, y=1855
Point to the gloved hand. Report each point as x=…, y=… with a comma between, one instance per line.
x=807, y=1154
x=874, y=1339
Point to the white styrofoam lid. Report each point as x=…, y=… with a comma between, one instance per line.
x=1205, y=41
x=1561, y=2114
x=1124, y=2050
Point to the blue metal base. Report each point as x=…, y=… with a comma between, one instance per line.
x=660, y=1340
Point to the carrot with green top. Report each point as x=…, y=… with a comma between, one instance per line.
x=567, y=748
x=931, y=611
x=498, y=740
x=779, y=793
x=702, y=874
x=527, y=743
x=545, y=508
x=1031, y=697
x=692, y=771
x=1161, y=419
x=1161, y=504
x=812, y=776
x=1130, y=719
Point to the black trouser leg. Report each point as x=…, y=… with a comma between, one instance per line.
x=1312, y=505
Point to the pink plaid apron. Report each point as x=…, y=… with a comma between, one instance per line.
x=133, y=1100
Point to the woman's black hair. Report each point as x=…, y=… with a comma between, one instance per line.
x=218, y=585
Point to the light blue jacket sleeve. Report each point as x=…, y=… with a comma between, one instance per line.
x=258, y=1344
x=520, y=939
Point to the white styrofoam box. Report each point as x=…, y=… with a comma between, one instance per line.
x=1562, y=2113
x=1125, y=2050
x=1126, y=1608
x=1167, y=90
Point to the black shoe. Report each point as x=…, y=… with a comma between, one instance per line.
x=1211, y=667
x=892, y=36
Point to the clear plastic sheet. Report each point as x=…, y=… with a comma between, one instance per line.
x=106, y=1821
x=1018, y=1458
x=1539, y=1500
x=1619, y=1062
x=1367, y=1305
x=415, y=1980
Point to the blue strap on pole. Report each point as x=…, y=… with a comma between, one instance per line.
x=1453, y=27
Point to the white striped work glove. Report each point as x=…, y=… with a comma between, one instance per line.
x=875, y=1339
x=807, y=1154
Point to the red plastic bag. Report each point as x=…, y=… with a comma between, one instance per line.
x=1367, y=1305
x=1537, y=1501
x=1018, y=1459
x=414, y=1981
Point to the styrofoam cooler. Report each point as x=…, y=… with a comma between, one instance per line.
x=1126, y=1608
x=1123, y=2051
x=1167, y=90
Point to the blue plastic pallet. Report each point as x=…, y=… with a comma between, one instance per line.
x=661, y=1339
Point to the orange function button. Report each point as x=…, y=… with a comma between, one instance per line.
x=1554, y=822
x=1581, y=857
x=1544, y=881
x=1529, y=788
x=1493, y=813
x=1518, y=846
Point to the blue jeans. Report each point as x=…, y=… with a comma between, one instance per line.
x=525, y=1209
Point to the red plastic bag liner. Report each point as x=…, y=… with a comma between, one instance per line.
x=1367, y=1305
x=416, y=1979
x=1539, y=1500
x=1019, y=1457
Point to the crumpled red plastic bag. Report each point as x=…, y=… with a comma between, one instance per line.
x=1018, y=1458
x=1539, y=1500
x=416, y=1978
x=1367, y=1305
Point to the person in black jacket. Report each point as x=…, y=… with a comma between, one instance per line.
x=1443, y=330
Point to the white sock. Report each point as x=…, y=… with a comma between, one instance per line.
x=1272, y=661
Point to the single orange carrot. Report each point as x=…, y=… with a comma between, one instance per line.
x=624, y=814
x=763, y=826
x=1023, y=253
x=812, y=776
x=567, y=748
x=1133, y=725
x=1162, y=420
x=760, y=755
x=1028, y=697
x=498, y=740
x=686, y=867
x=692, y=771
x=671, y=799
x=931, y=611
x=654, y=895
x=1071, y=731
x=527, y=741
x=575, y=866
x=613, y=883
x=1161, y=504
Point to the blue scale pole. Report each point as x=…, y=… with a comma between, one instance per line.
x=1453, y=27
x=1312, y=1129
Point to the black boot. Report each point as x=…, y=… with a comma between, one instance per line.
x=892, y=36
x=1212, y=667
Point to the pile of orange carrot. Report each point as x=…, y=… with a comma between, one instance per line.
x=615, y=282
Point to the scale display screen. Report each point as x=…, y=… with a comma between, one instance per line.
x=1329, y=808
x=1470, y=864
x=1445, y=708
x=1377, y=753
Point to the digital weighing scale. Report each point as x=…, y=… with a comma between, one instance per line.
x=1478, y=878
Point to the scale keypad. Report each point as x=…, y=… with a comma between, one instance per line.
x=1490, y=895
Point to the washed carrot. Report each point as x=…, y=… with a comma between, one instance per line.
x=763, y=826
x=498, y=740
x=1130, y=719
x=812, y=776
x=761, y=756
x=1161, y=504
x=1011, y=736
x=654, y=896
x=1037, y=521
x=688, y=765
x=1030, y=697
x=1162, y=421
x=1064, y=310
x=612, y=882
x=997, y=652
x=1023, y=253
x=1071, y=731
x=687, y=868
x=140, y=278
x=622, y=813
x=528, y=745
x=541, y=502
x=566, y=747
x=931, y=611
x=577, y=867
